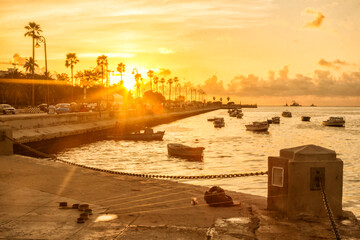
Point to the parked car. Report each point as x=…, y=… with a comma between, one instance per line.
x=62, y=108
x=6, y=108
x=44, y=107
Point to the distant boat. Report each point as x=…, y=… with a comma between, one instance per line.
x=275, y=120
x=258, y=126
x=295, y=104
x=183, y=151
x=147, y=135
x=286, y=114
x=219, y=123
x=305, y=118
x=334, y=122
x=312, y=105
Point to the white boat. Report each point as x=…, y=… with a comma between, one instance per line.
x=258, y=126
x=275, y=120
x=334, y=122
x=286, y=114
x=181, y=150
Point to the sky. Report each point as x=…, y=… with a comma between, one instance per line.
x=267, y=52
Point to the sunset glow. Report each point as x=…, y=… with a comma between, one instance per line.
x=257, y=51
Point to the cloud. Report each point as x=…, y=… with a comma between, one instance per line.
x=321, y=84
x=164, y=72
x=165, y=51
x=333, y=64
x=213, y=86
x=315, y=23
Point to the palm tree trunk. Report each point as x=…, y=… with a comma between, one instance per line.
x=33, y=72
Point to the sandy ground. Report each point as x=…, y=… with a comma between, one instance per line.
x=126, y=207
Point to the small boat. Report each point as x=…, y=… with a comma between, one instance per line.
x=286, y=114
x=275, y=120
x=295, y=104
x=258, y=126
x=147, y=135
x=211, y=119
x=181, y=150
x=312, y=105
x=334, y=122
x=305, y=118
x=269, y=121
x=219, y=123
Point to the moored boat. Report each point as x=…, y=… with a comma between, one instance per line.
x=258, y=126
x=181, y=150
x=275, y=120
x=334, y=122
x=219, y=123
x=286, y=114
x=147, y=135
x=305, y=118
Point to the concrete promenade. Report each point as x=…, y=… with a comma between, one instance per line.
x=126, y=207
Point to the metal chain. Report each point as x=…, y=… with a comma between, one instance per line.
x=232, y=175
x=329, y=212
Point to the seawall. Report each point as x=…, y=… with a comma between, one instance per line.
x=48, y=132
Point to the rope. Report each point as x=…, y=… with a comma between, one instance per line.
x=232, y=175
x=329, y=212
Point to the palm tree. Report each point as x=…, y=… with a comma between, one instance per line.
x=101, y=62
x=162, y=80
x=221, y=99
x=170, y=81
x=228, y=98
x=137, y=77
x=214, y=98
x=150, y=74
x=33, y=31
x=176, y=79
x=70, y=61
x=30, y=65
x=121, y=69
x=156, y=81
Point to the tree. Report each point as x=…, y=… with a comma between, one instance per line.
x=150, y=74
x=33, y=31
x=62, y=77
x=214, y=98
x=121, y=69
x=30, y=65
x=137, y=77
x=156, y=81
x=176, y=80
x=102, y=62
x=170, y=81
x=162, y=80
x=70, y=61
x=221, y=99
x=228, y=99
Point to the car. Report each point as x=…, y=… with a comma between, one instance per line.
x=44, y=107
x=6, y=108
x=62, y=108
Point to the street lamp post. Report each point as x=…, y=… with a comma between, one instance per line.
x=41, y=39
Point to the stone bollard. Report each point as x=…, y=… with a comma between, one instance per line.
x=294, y=181
x=6, y=146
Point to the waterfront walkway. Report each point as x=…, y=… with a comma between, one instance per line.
x=126, y=207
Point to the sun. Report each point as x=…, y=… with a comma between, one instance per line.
x=129, y=81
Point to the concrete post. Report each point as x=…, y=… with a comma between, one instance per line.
x=6, y=146
x=293, y=181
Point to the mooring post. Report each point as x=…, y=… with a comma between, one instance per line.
x=296, y=178
x=6, y=145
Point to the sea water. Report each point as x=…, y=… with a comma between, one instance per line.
x=232, y=149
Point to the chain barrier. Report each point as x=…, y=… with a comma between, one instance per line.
x=231, y=175
x=329, y=212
